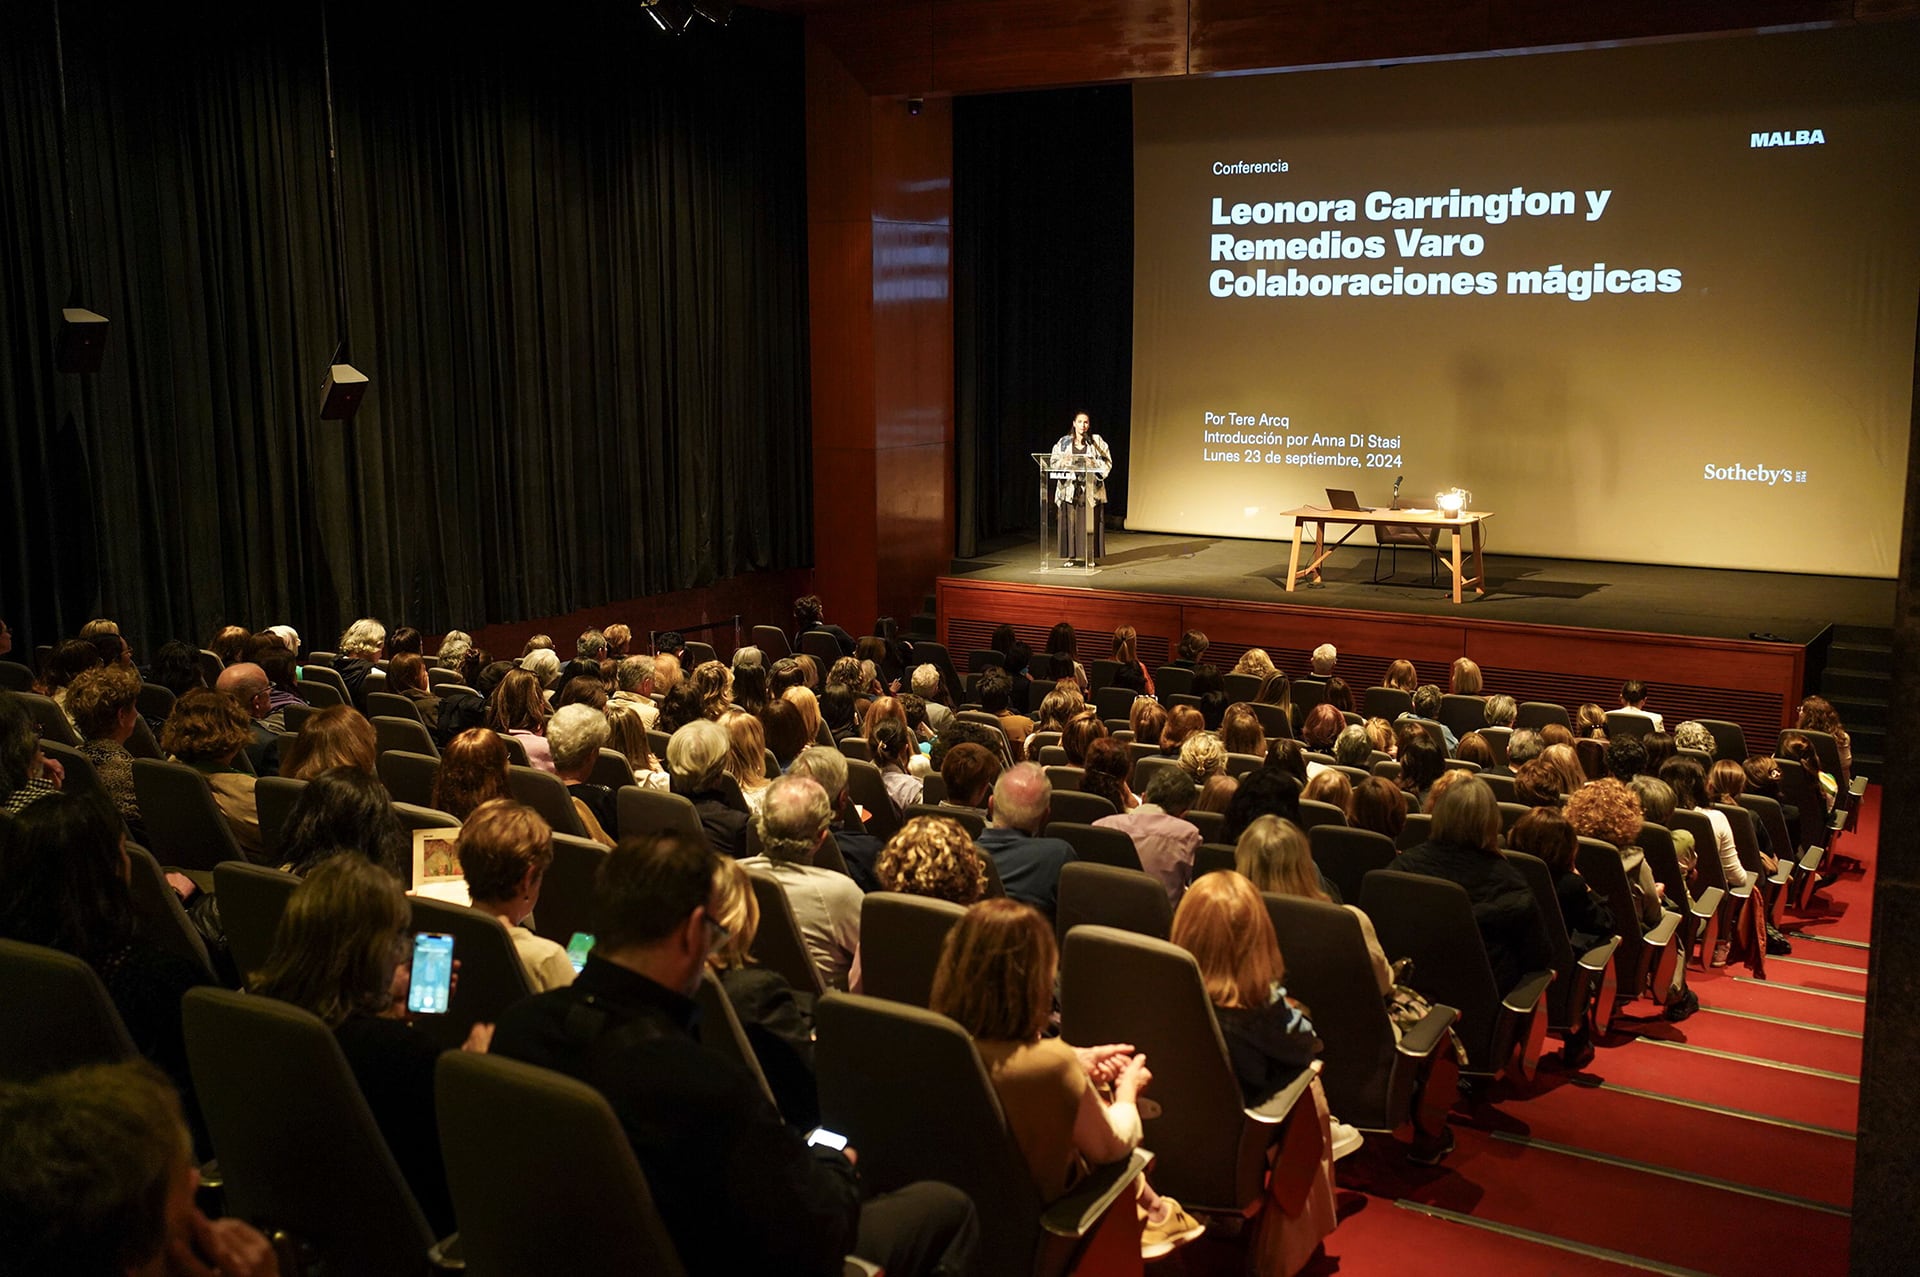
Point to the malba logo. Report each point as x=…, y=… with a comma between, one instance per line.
x=1795, y=137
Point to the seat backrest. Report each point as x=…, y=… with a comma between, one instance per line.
x=1729, y=740
x=1502, y=786
x=414, y=817
x=722, y=1032
x=1038, y=743
x=547, y=794
x=81, y=777
x=1345, y=856
x=1385, y=702
x=1625, y=724
x=1745, y=838
x=1768, y=814
x=185, y=829
x=492, y=977
x=58, y=1013
x=516, y=1214
x=1706, y=848
x=1274, y=720
x=900, y=939
x=566, y=892
x=326, y=676
x=1114, y=702
x=158, y=916
x=516, y=749
x=1798, y=789
x=1431, y=921
x=821, y=646
x=652, y=811
x=1212, y=857
x=1241, y=688
x=51, y=718
x=1497, y=738
x=297, y=1144
x=777, y=945
x=403, y=733
x=439, y=675
x=390, y=705
x=1072, y=805
x=926, y=651
x=1415, y=831
x=1100, y=673
x=962, y=1140
x=870, y=791
x=696, y=654
x=971, y=819
x=1064, y=779
x=1592, y=754
x=1546, y=902
x=855, y=747
x=1096, y=845
x=1656, y=843
x=1463, y=714
x=1600, y=865
x=1314, y=813
x=1330, y=972
x=1211, y=824
x=1537, y=714
x=611, y=769
x=252, y=898
x=1106, y=896
x=772, y=640
x=409, y=777
x=1510, y=814
x=1172, y=680
x=981, y=659
x=1116, y=986
x=275, y=797
x=15, y=677
x=1148, y=765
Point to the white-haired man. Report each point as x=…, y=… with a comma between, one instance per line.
x=575, y=736
x=1324, y=658
x=827, y=767
x=364, y=642
x=633, y=684
x=931, y=688
x=795, y=820
x=1029, y=865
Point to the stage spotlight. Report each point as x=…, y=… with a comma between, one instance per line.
x=672, y=16
x=343, y=390
x=83, y=341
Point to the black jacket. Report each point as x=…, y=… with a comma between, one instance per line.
x=738, y=1189
x=1503, y=905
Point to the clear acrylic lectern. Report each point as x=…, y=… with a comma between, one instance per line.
x=1079, y=471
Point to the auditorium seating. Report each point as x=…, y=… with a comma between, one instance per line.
x=1646, y=957
x=777, y=945
x=1584, y=984
x=1109, y=896
x=184, y=827
x=59, y=1014
x=900, y=939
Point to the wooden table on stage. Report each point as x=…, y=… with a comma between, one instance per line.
x=1321, y=516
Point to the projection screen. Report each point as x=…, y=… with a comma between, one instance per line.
x=1652, y=304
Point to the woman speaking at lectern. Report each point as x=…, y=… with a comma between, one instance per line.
x=1082, y=507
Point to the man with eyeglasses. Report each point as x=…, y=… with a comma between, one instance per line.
x=738, y=1190
x=249, y=684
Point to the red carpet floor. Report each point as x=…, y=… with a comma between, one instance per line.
x=1720, y=1144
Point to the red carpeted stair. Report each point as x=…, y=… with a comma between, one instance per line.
x=1719, y=1144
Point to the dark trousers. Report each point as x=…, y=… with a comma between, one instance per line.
x=922, y=1230
x=1076, y=540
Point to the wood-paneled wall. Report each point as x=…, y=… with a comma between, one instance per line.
x=906, y=47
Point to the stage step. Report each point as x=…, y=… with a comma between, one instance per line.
x=1858, y=679
x=1871, y=685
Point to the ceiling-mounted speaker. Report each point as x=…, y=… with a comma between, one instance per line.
x=83, y=341
x=345, y=387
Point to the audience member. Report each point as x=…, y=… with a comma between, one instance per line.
x=1626, y=758
x=1332, y=787
x=1029, y=864
x=505, y=849
x=1544, y=832
x=341, y=954
x=98, y=1176
x=697, y=759
x=1241, y=733
x=1191, y=649
x=1817, y=714
x=795, y=820
x=1589, y=723
x=364, y=642
x=969, y=770
x=1216, y=795
x=176, y=667
x=1108, y=773
x=1324, y=659
x=251, y=689
x=104, y=704
x=1182, y=722
x=1421, y=763
x=473, y=769
x=345, y=810
x=1464, y=847
x=827, y=768
x=1633, y=697
x=207, y=731
x=1474, y=748
x=996, y=979
x=1501, y=710
x=1202, y=755
x=1132, y=672
x=1352, y=747
x=575, y=736
x=995, y=690
x=627, y=735
x=337, y=736
x=1265, y=791
x=1164, y=841
x=1380, y=806
x=1276, y=856
x=1609, y=811
x=933, y=856
x=694, y=1119
x=809, y=614
x=893, y=749
x=1339, y=695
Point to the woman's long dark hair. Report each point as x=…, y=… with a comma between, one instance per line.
x=63, y=878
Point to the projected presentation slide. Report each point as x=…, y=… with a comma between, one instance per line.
x=1651, y=304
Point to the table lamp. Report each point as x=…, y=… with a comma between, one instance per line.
x=1451, y=502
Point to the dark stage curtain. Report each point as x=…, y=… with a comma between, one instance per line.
x=1043, y=294
x=576, y=266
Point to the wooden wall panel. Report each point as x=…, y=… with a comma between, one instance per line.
x=912, y=158
x=887, y=46
x=1753, y=684
x=846, y=544
x=980, y=45
x=1520, y=24
x=1238, y=35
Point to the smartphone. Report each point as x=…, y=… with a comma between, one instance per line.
x=432, y=981
x=821, y=1137
x=577, y=950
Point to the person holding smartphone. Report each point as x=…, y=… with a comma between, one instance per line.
x=345, y=952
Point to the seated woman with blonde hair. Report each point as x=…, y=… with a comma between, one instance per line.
x=996, y=980
x=1202, y=755
x=627, y=733
x=1275, y=856
x=1256, y=663
x=1224, y=924
x=935, y=857
x=778, y=1021
x=1332, y=787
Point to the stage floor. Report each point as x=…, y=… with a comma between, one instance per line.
x=1700, y=602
